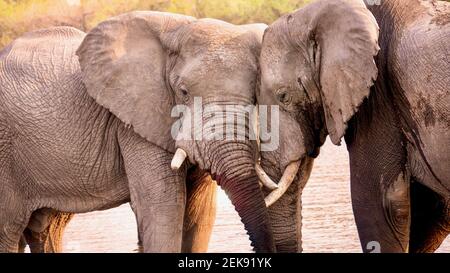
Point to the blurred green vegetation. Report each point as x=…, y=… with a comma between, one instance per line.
x=19, y=16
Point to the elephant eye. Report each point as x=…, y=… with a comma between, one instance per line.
x=284, y=97
x=184, y=91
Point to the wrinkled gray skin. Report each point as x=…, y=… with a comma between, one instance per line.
x=85, y=123
x=319, y=65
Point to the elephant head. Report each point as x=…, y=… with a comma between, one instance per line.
x=317, y=64
x=141, y=65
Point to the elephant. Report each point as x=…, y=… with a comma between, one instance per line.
x=88, y=123
x=377, y=76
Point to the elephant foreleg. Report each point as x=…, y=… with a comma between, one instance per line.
x=140, y=246
x=380, y=182
x=22, y=244
x=382, y=214
x=430, y=223
x=200, y=212
x=380, y=178
x=14, y=217
x=158, y=193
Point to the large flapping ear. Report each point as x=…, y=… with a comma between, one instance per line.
x=123, y=66
x=344, y=35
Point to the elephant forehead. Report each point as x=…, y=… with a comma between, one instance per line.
x=273, y=67
x=222, y=57
x=279, y=64
x=220, y=46
x=216, y=35
x=274, y=51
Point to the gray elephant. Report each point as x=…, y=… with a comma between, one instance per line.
x=320, y=65
x=86, y=125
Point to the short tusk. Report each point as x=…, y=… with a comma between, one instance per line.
x=178, y=159
x=286, y=180
x=264, y=178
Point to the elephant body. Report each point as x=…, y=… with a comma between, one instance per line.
x=71, y=123
x=61, y=112
x=402, y=132
x=379, y=79
x=86, y=125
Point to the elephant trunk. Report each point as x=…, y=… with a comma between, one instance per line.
x=231, y=162
x=236, y=175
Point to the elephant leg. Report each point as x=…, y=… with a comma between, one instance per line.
x=14, y=212
x=140, y=246
x=22, y=244
x=46, y=229
x=157, y=192
x=430, y=223
x=200, y=212
x=379, y=178
x=382, y=215
x=13, y=220
x=380, y=183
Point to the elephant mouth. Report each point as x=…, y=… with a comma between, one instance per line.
x=300, y=168
x=277, y=189
x=233, y=169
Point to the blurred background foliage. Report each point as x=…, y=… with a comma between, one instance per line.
x=19, y=16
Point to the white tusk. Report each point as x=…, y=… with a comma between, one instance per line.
x=178, y=159
x=286, y=180
x=264, y=179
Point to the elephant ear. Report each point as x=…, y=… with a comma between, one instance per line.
x=122, y=62
x=344, y=38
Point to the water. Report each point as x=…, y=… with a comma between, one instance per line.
x=328, y=223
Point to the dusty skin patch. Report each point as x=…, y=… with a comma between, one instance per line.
x=428, y=112
x=397, y=205
x=441, y=19
x=441, y=15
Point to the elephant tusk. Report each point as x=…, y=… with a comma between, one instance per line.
x=264, y=179
x=178, y=159
x=286, y=180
